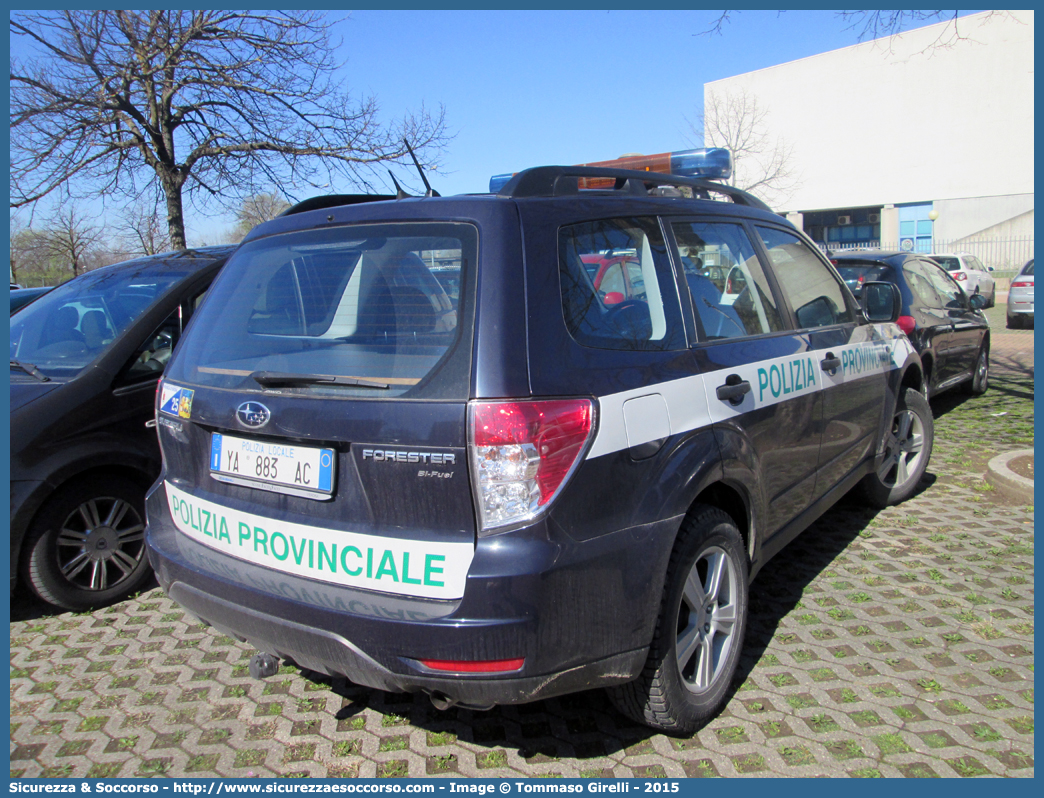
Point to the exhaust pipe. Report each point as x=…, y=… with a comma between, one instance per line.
x=442, y=701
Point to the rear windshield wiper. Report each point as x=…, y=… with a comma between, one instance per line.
x=274, y=379
x=30, y=369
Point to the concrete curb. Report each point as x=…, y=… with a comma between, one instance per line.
x=1007, y=481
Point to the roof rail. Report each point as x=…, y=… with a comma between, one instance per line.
x=333, y=201
x=558, y=181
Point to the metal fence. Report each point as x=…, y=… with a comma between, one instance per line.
x=1005, y=255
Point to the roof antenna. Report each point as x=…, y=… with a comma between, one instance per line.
x=430, y=192
x=399, y=193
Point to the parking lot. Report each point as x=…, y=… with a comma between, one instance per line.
x=895, y=643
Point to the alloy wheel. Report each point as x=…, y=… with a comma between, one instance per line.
x=904, y=449
x=101, y=543
x=706, y=620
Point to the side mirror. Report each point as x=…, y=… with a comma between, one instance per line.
x=989, y=268
x=881, y=302
x=977, y=301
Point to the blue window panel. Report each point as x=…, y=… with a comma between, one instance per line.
x=924, y=227
x=833, y=234
x=906, y=229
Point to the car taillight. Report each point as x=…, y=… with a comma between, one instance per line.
x=474, y=666
x=906, y=324
x=1021, y=284
x=959, y=275
x=522, y=453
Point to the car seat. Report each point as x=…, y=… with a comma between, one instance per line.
x=95, y=329
x=63, y=326
x=719, y=321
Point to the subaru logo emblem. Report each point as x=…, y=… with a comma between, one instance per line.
x=253, y=414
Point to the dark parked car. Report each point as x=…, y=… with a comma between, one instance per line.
x=534, y=488
x=946, y=325
x=20, y=297
x=85, y=360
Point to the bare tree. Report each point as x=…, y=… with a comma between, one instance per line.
x=761, y=161
x=143, y=230
x=69, y=239
x=256, y=209
x=211, y=103
x=68, y=245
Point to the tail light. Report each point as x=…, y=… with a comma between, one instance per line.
x=474, y=666
x=959, y=276
x=1022, y=284
x=906, y=324
x=522, y=453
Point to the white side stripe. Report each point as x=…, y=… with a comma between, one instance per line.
x=691, y=402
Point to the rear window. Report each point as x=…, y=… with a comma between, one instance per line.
x=950, y=264
x=855, y=274
x=1028, y=268
x=377, y=305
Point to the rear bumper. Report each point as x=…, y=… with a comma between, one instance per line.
x=580, y=614
x=327, y=652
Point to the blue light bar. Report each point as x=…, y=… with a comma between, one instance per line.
x=713, y=162
x=497, y=182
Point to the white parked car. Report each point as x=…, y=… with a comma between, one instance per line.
x=1020, y=298
x=969, y=273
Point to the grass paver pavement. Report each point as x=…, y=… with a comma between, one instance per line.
x=895, y=644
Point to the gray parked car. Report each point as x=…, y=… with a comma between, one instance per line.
x=1020, y=298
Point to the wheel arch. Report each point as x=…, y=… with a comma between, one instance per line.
x=734, y=501
x=70, y=477
x=913, y=375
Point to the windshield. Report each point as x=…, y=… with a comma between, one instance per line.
x=371, y=310
x=67, y=328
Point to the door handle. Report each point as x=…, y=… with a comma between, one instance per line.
x=734, y=389
x=830, y=363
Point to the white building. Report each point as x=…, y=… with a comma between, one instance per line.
x=898, y=140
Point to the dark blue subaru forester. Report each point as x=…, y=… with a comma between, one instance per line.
x=502, y=447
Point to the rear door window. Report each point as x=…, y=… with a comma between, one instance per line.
x=951, y=294
x=921, y=284
x=618, y=290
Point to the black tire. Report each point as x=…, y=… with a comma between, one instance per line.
x=679, y=698
x=86, y=548
x=993, y=297
x=907, y=450
x=980, y=380
x=1014, y=323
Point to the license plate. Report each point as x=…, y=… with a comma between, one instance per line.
x=280, y=467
